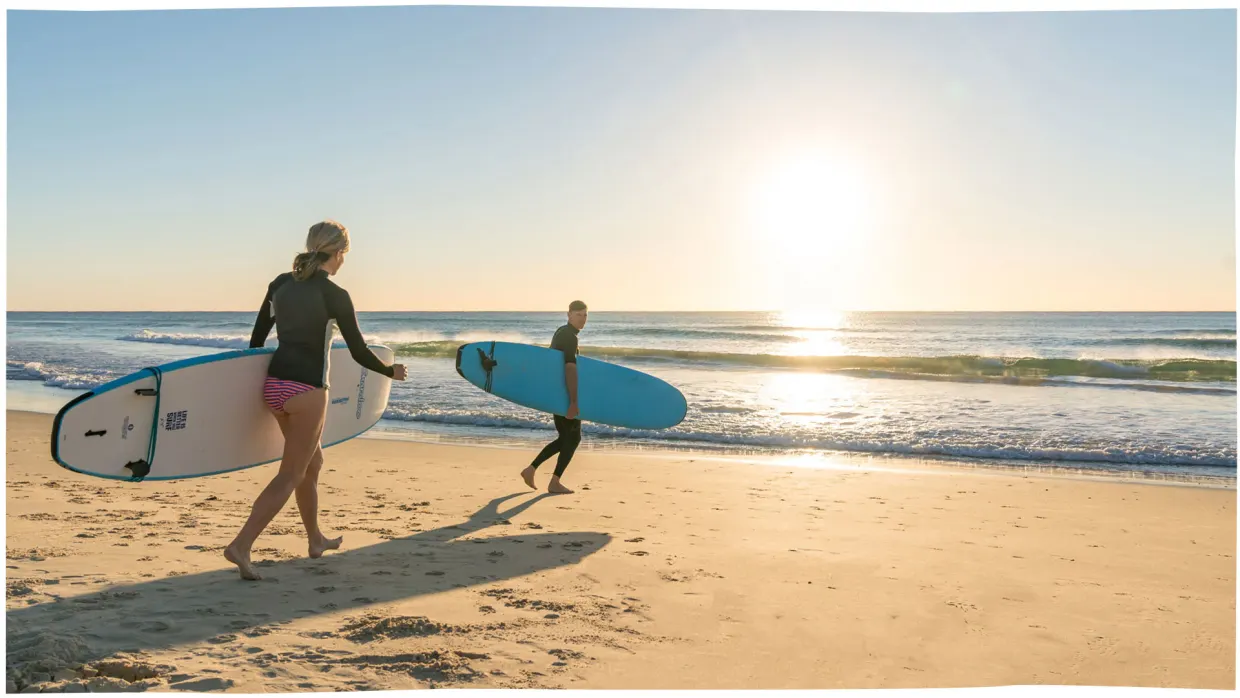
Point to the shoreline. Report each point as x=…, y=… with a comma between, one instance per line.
x=1084, y=470
x=814, y=460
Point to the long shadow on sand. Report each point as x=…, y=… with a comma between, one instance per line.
x=194, y=608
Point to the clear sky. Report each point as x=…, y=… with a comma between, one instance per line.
x=494, y=158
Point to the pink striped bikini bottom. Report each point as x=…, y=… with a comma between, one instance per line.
x=277, y=391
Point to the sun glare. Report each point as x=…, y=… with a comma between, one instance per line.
x=816, y=329
x=812, y=206
x=812, y=215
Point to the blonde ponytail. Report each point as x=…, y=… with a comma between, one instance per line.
x=324, y=240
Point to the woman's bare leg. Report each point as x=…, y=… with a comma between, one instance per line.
x=308, y=506
x=305, y=414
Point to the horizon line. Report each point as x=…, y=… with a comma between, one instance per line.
x=667, y=312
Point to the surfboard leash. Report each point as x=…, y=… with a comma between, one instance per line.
x=139, y=468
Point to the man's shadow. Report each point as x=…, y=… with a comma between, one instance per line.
x=194, y=608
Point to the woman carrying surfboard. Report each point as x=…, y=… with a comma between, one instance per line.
x=302, y=305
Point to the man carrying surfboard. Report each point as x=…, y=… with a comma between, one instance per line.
x=567, y=427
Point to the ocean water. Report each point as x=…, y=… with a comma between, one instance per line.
x=1143, y=393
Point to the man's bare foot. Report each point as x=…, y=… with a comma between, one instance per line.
x=323, y=544
x=243, y=564
x=556, y=488
x=528, y=476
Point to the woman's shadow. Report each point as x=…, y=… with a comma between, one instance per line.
x=194, y=608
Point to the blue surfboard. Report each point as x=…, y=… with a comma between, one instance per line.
x=533, y=377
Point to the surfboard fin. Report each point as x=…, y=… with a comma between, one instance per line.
x=140, y=469
x=488, y=363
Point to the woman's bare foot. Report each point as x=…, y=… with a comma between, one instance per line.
x=323, y=544
x=528, y=476
x=243, y=563
x=556, y=488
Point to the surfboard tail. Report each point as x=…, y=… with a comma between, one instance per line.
x=58, y=421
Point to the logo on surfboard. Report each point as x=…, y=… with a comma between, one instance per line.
x=175, y=420
x=361, y=394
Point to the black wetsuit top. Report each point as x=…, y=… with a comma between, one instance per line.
x=565, y=339
x=302, y=312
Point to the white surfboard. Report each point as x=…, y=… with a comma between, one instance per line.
x=203, y=416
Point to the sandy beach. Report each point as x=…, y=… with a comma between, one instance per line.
x=670, y=571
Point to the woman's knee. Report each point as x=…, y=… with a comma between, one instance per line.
x=315, y=464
